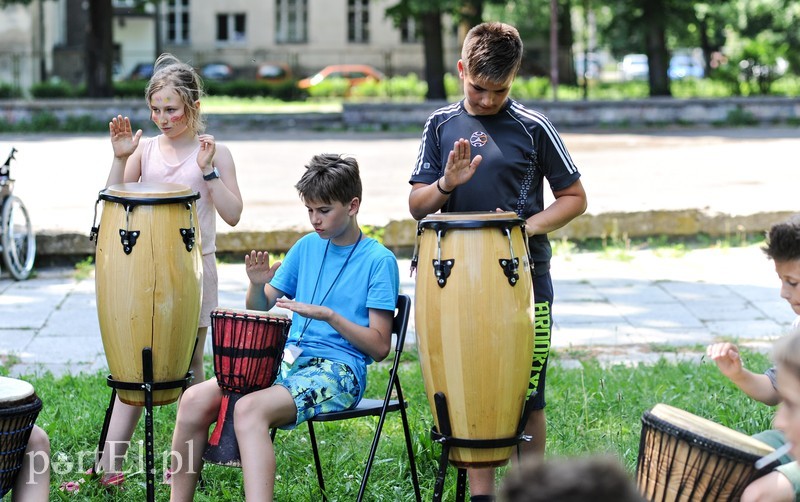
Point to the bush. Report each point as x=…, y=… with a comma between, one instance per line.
x=130, y=88
x=58, y=89
x=285, y=91
x=8, y=91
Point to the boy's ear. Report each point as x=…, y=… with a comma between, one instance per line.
x=355, y=204
x=460, y=66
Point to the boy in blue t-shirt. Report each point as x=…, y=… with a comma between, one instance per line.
x=342, y=288
x=489, y=152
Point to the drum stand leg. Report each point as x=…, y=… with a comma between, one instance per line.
x=147, y=386
x=445, y=438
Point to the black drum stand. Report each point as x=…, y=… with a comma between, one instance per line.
x=148, y=386
x=447, y=441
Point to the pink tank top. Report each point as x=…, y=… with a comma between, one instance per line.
x=187, y=172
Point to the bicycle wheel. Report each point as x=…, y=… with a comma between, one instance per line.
x=19, y=243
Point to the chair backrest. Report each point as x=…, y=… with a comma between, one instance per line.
x=400, y=321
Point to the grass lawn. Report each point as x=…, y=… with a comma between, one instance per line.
x=591, y=409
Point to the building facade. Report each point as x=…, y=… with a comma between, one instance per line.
x=47, y=39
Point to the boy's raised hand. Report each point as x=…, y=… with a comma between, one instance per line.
x=460, y=166
x=258, y=268
x=123, y=140
x=726, y=355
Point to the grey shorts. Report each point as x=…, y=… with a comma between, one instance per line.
x=318, y=386
x=789, y=466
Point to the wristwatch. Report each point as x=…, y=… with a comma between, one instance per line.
x=212, y=175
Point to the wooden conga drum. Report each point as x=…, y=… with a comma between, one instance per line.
x=474, y=326
x=683, y=458
x=19, y=407
x=148, y=283
x=248, y=350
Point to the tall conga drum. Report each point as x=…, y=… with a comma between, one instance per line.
x=474, y=326
x=149, y=283
x=19, y=407
x=686, y=458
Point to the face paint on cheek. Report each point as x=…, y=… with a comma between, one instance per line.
x=176, y=118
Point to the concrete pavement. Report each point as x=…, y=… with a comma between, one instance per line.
x=634, y=307
x=630, y=307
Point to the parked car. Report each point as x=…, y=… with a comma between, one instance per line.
x=273, y=72
x=634, y=67
x=216, y=71
x=355, y=73
x=684, y=66
x=142, y=71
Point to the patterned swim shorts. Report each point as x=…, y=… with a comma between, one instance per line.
x=318, y=386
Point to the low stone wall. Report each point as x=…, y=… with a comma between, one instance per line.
x=635, y=112
x=380, y=116
x=400, y=235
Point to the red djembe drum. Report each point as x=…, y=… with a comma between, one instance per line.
x=248, y=350
x=19, y=407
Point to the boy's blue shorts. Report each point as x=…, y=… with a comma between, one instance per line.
x=318, y=386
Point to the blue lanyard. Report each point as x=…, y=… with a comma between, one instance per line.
x=335, y=279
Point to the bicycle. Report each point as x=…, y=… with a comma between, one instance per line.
x=17, y=241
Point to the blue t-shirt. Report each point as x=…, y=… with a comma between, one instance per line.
x=370, y=279
x=520, y=148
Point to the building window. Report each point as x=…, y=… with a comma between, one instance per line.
x=231, y=27
x=291, y=21
x=178, y=21
x=409, y=33
x=358, y=21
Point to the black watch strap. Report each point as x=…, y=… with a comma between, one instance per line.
x=212, y=175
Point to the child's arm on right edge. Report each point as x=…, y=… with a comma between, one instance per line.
x=757, y=386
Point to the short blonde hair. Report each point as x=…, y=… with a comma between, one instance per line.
x=169, y=71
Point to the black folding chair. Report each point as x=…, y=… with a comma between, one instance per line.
x=376, y=408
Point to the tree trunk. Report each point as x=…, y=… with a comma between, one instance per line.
x=99, y=49
x=434, y=59
x=471, y=14
x=566, y=39
x=655, y=16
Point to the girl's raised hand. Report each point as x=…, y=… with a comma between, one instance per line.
x=123, y=140
x=208, y=147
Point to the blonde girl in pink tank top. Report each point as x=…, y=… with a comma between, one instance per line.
x=182, y=153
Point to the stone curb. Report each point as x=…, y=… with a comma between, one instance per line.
x=400, y=235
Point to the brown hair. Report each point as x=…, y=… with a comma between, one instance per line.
x=598, y=478
x=783, y=240
x=330, y=177
x=169, y=71
x=492, y=51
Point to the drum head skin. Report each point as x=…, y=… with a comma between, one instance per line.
x=12, y=390
x=148, y=189
x=710, y=430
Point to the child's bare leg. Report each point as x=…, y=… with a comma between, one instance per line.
x=120, y=430
x=33, y=481
x=197, y=359
x=198, y=410
x=254, y=415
